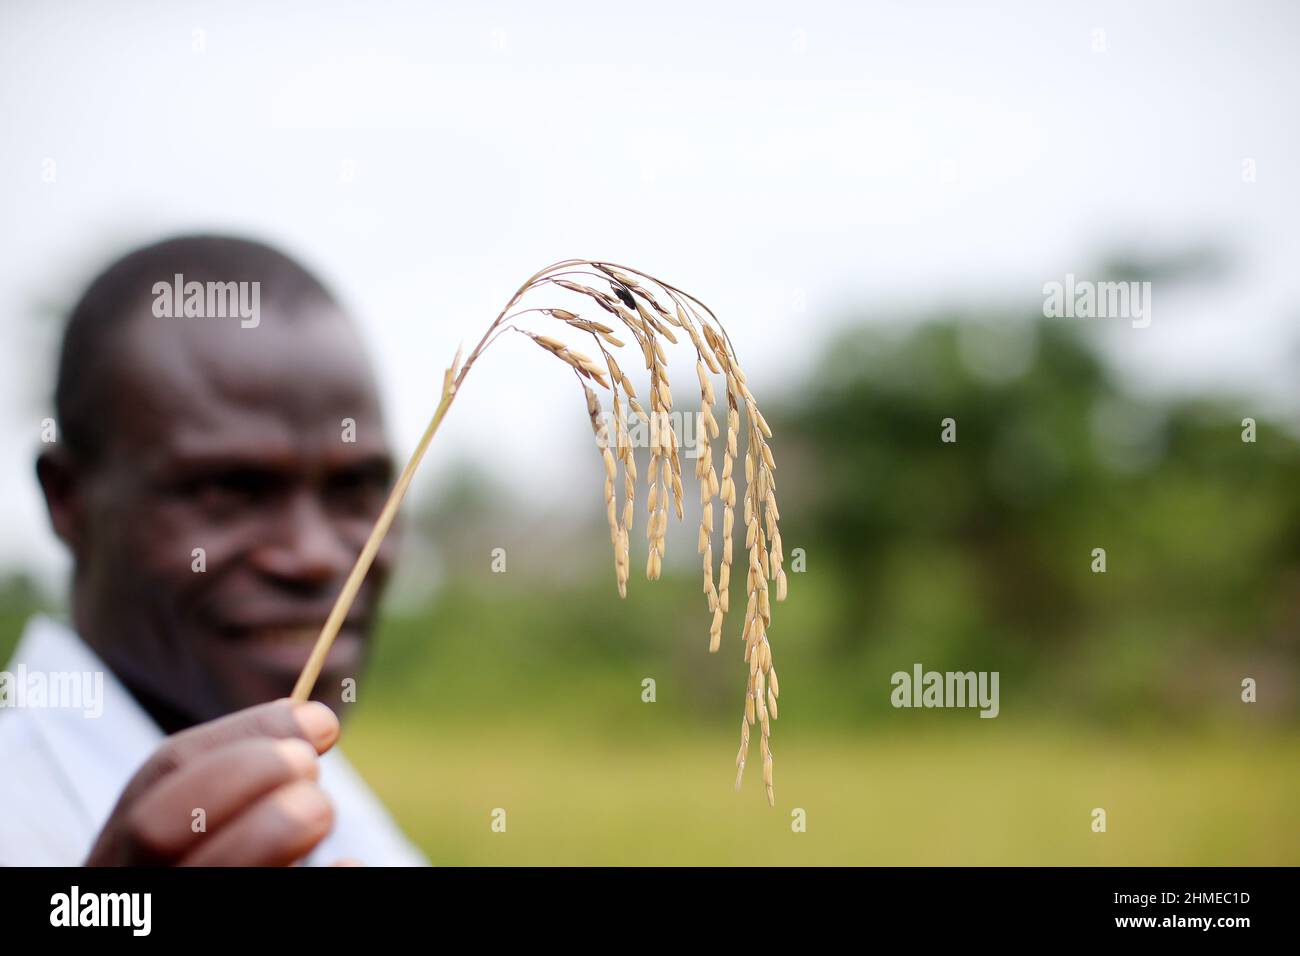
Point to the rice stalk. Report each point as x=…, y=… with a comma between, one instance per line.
x=650, y=310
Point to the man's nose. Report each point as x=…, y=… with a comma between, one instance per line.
x=305, y=546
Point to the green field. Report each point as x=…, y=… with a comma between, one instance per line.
x=988, y=796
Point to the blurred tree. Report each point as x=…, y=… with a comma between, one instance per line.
x=978, y=551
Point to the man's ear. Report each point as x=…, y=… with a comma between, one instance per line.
x=60, y=479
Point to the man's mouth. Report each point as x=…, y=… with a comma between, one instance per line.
x=283, y=635
x=283, y=650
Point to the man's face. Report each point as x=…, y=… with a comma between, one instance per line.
x=242, y=471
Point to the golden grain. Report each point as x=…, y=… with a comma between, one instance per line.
x=649, y=309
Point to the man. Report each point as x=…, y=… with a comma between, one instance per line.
x=220, y=458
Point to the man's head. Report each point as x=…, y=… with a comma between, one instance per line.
x=215, y=479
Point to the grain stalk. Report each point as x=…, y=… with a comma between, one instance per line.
x=650, y=310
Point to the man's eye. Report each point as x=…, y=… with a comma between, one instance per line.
x=359, y=489
x=230, y=488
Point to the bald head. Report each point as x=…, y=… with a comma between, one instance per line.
x=125, y=291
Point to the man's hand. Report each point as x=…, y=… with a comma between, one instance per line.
x=253, y=773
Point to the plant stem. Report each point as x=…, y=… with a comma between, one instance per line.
x=343, y=604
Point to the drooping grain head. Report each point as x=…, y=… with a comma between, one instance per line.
x=650, y=310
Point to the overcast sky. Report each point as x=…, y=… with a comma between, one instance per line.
x=787, y=162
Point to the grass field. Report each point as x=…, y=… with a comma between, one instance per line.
x=985, y=796
x=588, y=774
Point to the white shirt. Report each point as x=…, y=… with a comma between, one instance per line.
x=62, y=769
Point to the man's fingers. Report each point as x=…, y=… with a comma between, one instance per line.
x=312, y=722
x=131, y=836
x=277, y=830
x=221, y=783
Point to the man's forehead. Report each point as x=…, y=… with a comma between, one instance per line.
x=210, y=386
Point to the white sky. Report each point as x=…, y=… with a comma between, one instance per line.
x=888, y=155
